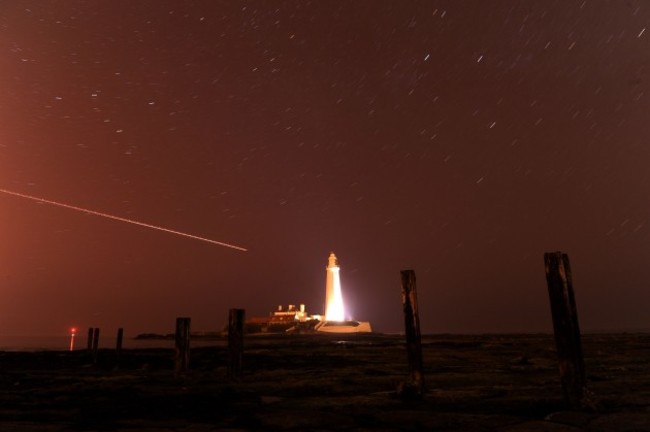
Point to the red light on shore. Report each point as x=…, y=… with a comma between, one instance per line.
x=73, y=333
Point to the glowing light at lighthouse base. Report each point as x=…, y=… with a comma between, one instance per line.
x=334, y=310
x=334, y=319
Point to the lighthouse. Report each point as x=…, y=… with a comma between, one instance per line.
x=333, y=298
x=335, y=321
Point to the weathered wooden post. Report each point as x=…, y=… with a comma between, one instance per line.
x=90, y=338
x=566, y=329
x=182, y=363
x=95, y=345
x=412, y=331
x=118, y=343
x=235, y=342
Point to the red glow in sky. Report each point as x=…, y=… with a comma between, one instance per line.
x=459, y=139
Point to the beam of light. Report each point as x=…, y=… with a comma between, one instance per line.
x=121, y=219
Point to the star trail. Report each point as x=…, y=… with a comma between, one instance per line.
x=460, y=139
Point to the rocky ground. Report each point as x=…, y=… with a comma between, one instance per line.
x=316, y=383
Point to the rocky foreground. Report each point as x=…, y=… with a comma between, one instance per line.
x=316, y=383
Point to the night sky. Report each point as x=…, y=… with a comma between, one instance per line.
x=460, y=139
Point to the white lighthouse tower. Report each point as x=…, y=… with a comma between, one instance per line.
x=333, y=297
x=335, y=321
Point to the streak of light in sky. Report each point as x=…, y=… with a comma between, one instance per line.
x=121, y=219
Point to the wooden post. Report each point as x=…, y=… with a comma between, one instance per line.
x=118, y=343
x=95, y=345
x=90, y=338
x=182, y=345
x=412, y=331
x=235, y=342
x=566, y=329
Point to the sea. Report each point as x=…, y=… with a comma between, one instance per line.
x=62, y=343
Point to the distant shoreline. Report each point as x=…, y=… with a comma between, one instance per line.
x=9, y=343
